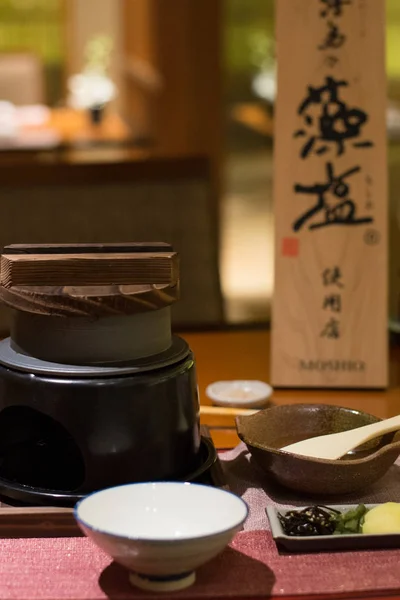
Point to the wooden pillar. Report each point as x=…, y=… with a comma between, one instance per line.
x=188, y=40
x=330, y=300
x=173, y=59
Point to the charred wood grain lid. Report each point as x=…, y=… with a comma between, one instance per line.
x=85, y=304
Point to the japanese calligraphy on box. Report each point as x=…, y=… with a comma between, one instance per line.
x=330, y=194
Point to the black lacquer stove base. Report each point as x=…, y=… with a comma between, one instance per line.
x=76, y=429
x=15, y=494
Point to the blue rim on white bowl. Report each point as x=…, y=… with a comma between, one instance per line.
x=166, y=561
x=159, y=483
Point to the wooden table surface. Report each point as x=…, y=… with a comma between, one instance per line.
x=75, y=127
x=254, y=116
x=246, y=355
x=69, y=128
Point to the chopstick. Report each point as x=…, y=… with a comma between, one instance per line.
x=226, y=412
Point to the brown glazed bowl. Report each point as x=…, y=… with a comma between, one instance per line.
x=265, y=432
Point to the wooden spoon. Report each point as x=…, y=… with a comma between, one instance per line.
x=336, y=445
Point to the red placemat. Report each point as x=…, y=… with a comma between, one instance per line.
x=74, y=569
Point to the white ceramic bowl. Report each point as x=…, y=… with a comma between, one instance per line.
x=161, y=531
x=239, y=393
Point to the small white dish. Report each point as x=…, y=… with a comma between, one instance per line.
x=162, y=532
x=329, y=543
x=239, y=393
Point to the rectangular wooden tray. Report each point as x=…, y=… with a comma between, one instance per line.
x=38, y=521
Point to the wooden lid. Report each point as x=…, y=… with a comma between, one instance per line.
x=89, y=280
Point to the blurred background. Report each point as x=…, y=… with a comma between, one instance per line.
x=138, y=119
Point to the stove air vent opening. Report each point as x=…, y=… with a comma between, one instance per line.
x=37, y=451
